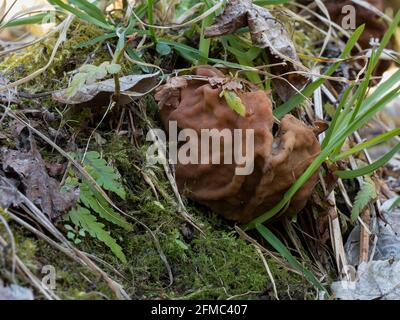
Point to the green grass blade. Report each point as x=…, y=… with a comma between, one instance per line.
x=81, y=15
x=297, y=99
x=90, y=9
x=351, y=174
x=192, y=55
x=370, y=143
x=280, y=247
x=336, y=116
x=34, y=19
x=93, y=41
x=337, y=140
x=244, y=59
x=204, y=44
x=150, y=18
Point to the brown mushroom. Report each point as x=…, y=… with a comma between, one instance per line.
x=278, y=161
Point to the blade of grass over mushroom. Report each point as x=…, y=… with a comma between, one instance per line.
x=367, y=144
x=351, y=174
x=297, y=99
x=281, y=248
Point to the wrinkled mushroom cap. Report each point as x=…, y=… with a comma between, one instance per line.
x=278, y=161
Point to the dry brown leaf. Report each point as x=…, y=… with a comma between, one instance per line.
x=131, y=86
x=39, y=187
x=266, y=32
x=170, y=93
x=9, y=196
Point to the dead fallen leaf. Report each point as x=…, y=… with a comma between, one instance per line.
x=170, y=93
x=9, y=196
x=39, y=187
x=131, y=86
x=266, y=32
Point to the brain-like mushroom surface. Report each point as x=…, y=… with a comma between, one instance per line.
x=278, y=160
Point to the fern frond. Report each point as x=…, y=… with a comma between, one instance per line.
x=82, y=218
x=366, y=194
x=92, y=199
x=106, y=176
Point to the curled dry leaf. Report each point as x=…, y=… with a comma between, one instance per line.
x=266, y=32
x=170, y=92
x=39, y=187
x=130, y=86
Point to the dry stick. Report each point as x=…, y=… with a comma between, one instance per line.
x=374, y=9
x=12, y=240
x=281, y=262
x=268, y=271
x=49, y=294
x=63, y=249
x=181, y=207
x=364, y=236
x=323, y=19
x=334, y=223
x=325, y=11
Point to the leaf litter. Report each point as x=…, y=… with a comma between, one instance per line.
x=28, y=171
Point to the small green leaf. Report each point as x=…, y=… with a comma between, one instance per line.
x=113, y=68
x=68, y=227
x=77, y=82
x=163, y=49
x=70, y=235
x=234, y=102
x=181, y=244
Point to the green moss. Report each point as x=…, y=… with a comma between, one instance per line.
x=23, y=63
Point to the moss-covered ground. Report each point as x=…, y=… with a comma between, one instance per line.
x=215, y=264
